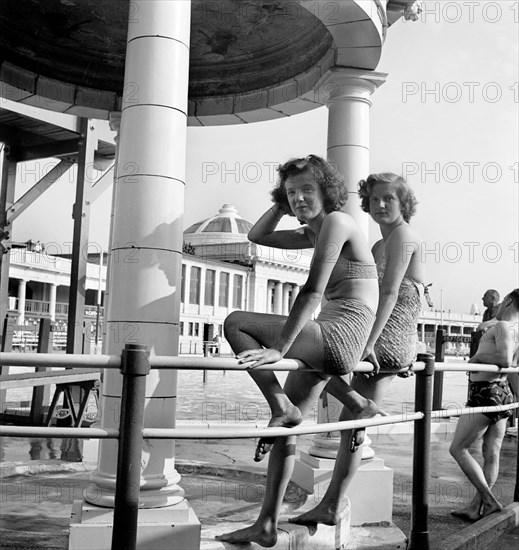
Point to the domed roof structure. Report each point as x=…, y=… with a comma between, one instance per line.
x=226, y=226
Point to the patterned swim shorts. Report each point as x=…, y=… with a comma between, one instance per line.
x=491, y=394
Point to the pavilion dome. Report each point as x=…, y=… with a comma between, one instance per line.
x=226, y=226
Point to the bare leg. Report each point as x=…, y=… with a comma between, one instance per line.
x=468, y=429
x=246, y=331
x=492, y=441
x=302, y=389
x=331, y=507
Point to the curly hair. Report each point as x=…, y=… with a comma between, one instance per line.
x=514, y=295
x=331, y=183
x=405, y=194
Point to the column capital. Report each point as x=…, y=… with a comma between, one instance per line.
x=114, y=121
x=353, y=84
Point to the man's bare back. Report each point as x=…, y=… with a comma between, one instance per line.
x=498, y=346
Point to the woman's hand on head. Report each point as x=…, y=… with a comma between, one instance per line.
x=255, y=357
x=369, y=356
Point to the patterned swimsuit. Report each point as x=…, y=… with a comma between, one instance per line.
x=396, y=345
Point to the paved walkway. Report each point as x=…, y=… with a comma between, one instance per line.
x=37, y=494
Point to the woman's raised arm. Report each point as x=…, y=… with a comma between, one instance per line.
x=264, y=232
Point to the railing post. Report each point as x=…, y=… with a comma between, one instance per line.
x=39, y=392
x=134, y=368
x=419, y=536
x=439, y=357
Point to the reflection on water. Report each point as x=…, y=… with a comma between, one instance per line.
x=235, y=398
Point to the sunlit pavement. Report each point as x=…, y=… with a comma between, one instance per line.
x=37, y=493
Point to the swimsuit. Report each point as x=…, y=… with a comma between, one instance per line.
x=491, y=394
x=345, y=323
x=396, y=345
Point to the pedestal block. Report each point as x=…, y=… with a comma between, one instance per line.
x=167, y=528
x=290, y=535
x=370, y=492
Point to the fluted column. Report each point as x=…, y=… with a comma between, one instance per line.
x=146, y=240
x=278, y=298
x=22, y=288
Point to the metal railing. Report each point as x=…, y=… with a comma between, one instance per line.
x=135, y=363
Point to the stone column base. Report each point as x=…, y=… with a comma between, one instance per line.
x=370, y=492
x=158, y=528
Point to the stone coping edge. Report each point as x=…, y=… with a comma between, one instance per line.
x=481, y=534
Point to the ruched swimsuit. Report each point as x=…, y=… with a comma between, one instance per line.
x=345, y=323
x=396, y=345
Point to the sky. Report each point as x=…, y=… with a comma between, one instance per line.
x=446, y=118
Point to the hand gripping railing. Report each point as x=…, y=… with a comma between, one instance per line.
x=135, y=364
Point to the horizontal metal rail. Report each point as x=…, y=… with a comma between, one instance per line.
x=462, y=411
x=60, y=360
x=41, y=431
x=207, y=433
x=233, y=433
x=473, y=367
x=160, y=362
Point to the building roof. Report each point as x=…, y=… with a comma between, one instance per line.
x=226, y=226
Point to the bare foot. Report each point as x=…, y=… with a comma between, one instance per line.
x=488, y=509
x=263, y=447
x=467, y=514
x=290, y=418
x=254, y=533
x=320, y=514
x=368, y=411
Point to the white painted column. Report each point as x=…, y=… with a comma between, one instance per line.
x=144, y=289
x=187, y=283
x=217, y=289
x=286, y=298
x=22, y=288
x=52, y=301
x=295, y=292
x=348, y=130
x=231, y=291
x=348, y=147
x=202, y=288
x=270, y=289
x=278, y=298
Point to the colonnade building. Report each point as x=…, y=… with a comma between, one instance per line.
x=221, y=272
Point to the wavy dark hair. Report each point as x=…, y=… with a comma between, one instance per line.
x=331, y=183
x=404, y=193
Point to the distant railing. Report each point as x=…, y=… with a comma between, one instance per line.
x=37, y=306
x=42, y=308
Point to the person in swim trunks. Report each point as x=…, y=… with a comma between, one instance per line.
x=392, y=342
x=342, y=270
x=498, y=346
